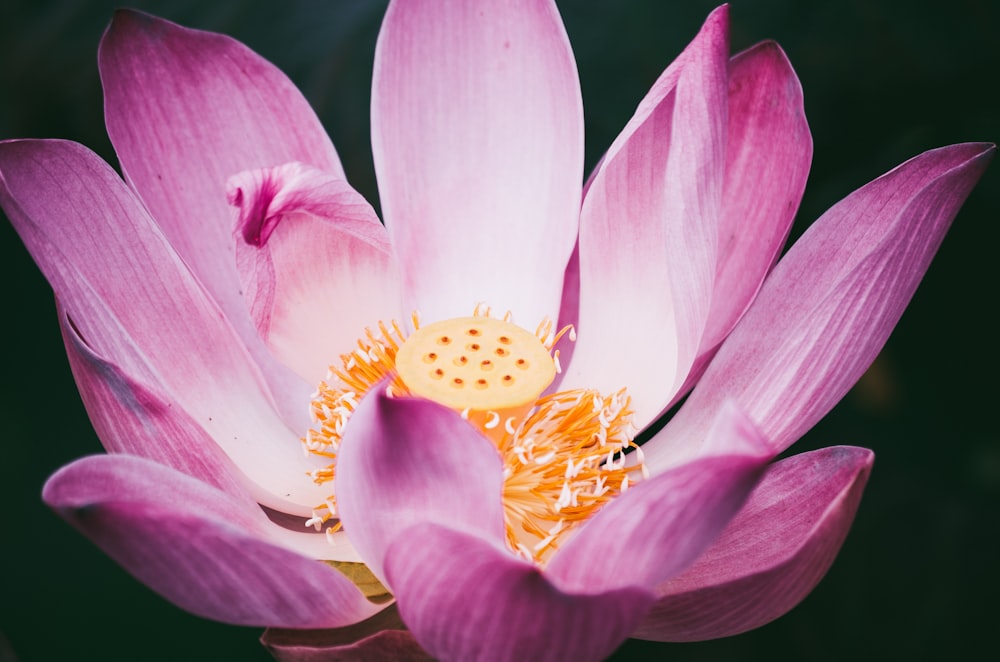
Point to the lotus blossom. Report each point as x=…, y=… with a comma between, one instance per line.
x=234, y=282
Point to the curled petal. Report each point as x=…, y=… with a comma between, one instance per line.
x=466, y=599
x=771, y=555
x=136, y=306
x=315, y=264
x=650, y=217
x=477, y=136
x=198, y=547
x=830, y=304
x=187, y=109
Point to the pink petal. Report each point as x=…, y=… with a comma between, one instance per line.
x=315, y=264
x=132, y=418
x=648, y=233
x=660, y=526
x=186, y=110
x=771, y=555
x=407, y=460
x=767, y=161
x=136, y=306
x=466, y=599
x=830, y=304
x=381, y=637
x=569, y=314
x=477, y=135
x=198, y=547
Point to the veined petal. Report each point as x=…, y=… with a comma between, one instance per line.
x=569, y=314
x=830, y=304
x=186, y=110
x=441, y=577
x=314, y=261
x=132, y=418
x=477, y=135
x=198, y=547
x=135, y=305
x=406, y=460
x=660, y=526
x=381, y=637
x=771, y=555
x=768, y=152
x=648, y=233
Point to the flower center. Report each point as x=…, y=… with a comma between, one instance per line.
x=563, y=453
x=488, y=369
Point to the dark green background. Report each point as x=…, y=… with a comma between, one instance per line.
x=918, y=577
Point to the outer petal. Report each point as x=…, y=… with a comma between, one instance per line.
x=767, y=162
x=315, y=264
x=830, y=304
x=198, y=547
x=648, y=234
x=381, y=637
x=477, y=135
x=771, y=555
x=136, y=306
x=660, y=526
x=406, y=460
x=466, y=599
x=132, y=418
x=186, y=110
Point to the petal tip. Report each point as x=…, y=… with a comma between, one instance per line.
x=719, y=14
x=717, y=25
x=127, y=20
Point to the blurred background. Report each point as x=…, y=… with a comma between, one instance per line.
x=919, y=574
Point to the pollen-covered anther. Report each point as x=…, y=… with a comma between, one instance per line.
x=338, y=396
x=324, y=518
x=563, y=463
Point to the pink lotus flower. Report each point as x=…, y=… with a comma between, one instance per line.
x=195, y=351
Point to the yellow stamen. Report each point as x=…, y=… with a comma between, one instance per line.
x=563, y=454
x=338, y=396
x=564, y=463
